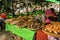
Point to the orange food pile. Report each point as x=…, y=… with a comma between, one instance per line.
x=54, y=27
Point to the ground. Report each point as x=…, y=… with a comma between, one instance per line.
x=5, y=36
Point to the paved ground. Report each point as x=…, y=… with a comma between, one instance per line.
x=5, y=36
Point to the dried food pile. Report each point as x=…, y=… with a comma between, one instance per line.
x=25, y=21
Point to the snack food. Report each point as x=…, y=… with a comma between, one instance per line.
x=54, y=27
x=33, y=24
x=25, y=21
x=21, y=23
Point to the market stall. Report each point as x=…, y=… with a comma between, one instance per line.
x=29, y=21
x=28, y=31
x=26, y=34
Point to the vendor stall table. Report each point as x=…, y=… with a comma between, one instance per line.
x=26, y=34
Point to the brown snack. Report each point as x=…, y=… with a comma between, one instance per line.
x=33, y=24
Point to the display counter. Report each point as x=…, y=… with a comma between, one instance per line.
x=25, y=33
x=49, y=32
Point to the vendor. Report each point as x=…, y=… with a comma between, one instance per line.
x=53, y=15
x=50, y=15
x=1, y=23
x=3, y=15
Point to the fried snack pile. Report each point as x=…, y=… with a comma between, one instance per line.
x=33, y=24
x=54, y=27
x=25, y=21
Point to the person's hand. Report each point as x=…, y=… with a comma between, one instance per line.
x=53, y=15
x=0, y=17
x=48, y=15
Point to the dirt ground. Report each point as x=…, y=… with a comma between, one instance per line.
x=5, y=36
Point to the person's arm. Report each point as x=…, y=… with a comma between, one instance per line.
x=53, y=14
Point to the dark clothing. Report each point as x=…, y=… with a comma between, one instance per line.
x=2, y=24
x=1, y=3
x=53, y=18
x=51, y=15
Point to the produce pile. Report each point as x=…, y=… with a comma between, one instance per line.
x=25, y=21
x=54, y=28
